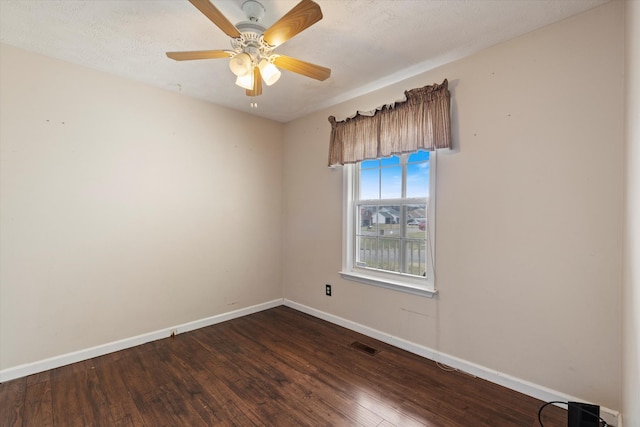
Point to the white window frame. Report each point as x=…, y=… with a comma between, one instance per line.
x=396, y=281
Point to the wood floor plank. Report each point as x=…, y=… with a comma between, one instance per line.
x=296, y=388
x=195, y=359
x=278, y=367
x=38, y=407
x=76, y=396
x=124, y=412
x=155, y=392
x=267, y=401
x=12, y=400
x=200, y=400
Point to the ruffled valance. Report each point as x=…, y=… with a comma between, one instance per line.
x=421, y=122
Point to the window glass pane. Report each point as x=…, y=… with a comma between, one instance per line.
x=419, y=231
x=367, y=252
x=369, y=184
x=418, y=180
x=391, y=185
x=389, y=254
x=368, y=220
x=416, y=221
x=389, y=161
x=389, y=220
x=415, y=257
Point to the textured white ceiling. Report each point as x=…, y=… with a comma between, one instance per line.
x=368, y=44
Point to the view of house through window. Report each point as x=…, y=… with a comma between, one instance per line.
x=391, y=206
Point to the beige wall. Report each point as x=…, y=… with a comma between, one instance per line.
x=631, y=283
x=528, y=234
x=126, y=209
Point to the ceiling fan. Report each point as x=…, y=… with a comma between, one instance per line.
x=251, y=57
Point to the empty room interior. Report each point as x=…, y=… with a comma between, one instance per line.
x=155, y=214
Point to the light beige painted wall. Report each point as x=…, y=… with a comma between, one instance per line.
x=631, y=284
x=529, y=212
x=126, y=209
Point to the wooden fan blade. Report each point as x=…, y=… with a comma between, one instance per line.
x=211, y=12
x=257, y=83
x=305, y=68
x=302, y=16
x=198, y=54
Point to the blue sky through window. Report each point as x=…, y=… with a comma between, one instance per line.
x=382, y=178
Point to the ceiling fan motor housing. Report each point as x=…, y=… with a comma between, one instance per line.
x=251, y=41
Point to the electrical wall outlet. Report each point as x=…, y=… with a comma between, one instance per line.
x=327, y=290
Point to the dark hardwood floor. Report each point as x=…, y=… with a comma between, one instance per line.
x=278, y=367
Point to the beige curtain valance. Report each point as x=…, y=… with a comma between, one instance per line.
x=421, y=121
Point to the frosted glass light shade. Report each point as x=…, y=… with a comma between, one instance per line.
x=245, y=81
x=240, y=64
x=269, y=72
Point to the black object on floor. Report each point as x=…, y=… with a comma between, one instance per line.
x=583, y=415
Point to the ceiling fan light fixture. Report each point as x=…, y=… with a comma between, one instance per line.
x=245, y=81
x=269, y=72
x=251, y=58
x=240, y=64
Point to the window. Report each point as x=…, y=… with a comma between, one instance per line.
x=389, y=222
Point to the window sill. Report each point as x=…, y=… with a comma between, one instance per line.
x=389, y=284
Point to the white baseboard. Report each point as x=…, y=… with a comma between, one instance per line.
x=100, y=350
x=530, y=389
